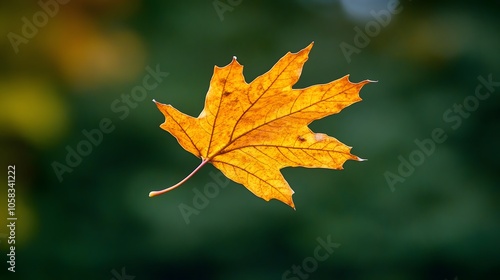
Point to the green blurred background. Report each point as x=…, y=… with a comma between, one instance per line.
x=442, y=222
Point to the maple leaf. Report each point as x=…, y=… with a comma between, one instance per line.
x=251, y=131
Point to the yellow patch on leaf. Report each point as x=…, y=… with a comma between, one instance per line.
x=250, y=131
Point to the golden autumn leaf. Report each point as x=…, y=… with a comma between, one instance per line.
x=251, y=131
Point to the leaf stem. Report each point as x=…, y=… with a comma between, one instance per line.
x=155, y=193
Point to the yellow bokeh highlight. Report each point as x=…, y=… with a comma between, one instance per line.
x=31, y=109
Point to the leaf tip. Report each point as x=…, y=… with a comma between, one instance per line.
x=291, y=204
x=286, y=199
x=309, y=47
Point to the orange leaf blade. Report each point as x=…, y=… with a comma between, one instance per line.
x=250, y=131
